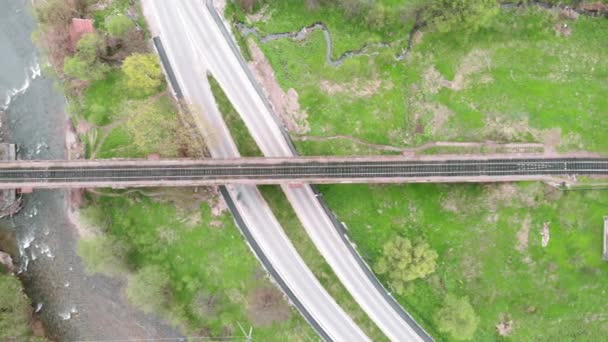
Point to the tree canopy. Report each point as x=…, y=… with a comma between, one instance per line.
x=404, y=261
x=119, y=25
x=457, y=318
x=143, y=74
x=85, y=64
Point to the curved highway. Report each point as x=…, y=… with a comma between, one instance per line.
x=254, y=217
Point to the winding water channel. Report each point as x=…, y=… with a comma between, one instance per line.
x=72, y=304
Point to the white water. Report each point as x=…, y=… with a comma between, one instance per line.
x=31, y=73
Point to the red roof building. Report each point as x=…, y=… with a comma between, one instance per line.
x=78, y=28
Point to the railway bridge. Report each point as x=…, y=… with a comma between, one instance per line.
x=121, y=173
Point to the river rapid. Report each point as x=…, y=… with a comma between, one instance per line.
x=73, y=305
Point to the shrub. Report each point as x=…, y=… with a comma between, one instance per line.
x=104, y=254
x=457, y=318
x=266, y=306
x=153, y=125
x=149, y=290
x=448, y=15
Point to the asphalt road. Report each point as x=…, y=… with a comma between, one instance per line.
x=224, y=64
x=175, y=23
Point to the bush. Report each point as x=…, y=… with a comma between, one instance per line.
x=247, y=5
x=119, y=25
x=14, y=310
x=448, y=15
x=149, y=290
x=153, y=125
x=104, y=254
x=143, y=74
x=403, y=261
x=266, y=305
x=205, y=305
x=457, y=318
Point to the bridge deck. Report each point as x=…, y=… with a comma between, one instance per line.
x=188, y=172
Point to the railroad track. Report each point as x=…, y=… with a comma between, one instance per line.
x=268, y=171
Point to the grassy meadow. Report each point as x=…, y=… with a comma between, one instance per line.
x=213, y=277
x=516, y=80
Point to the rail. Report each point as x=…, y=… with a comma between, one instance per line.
x=186, y=172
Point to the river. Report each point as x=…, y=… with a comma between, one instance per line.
x=73, y=305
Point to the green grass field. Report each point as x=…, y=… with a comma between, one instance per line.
x=551, y=293
x=15, y=310
x=519, y=81
x=202, y=254
x=514, y=81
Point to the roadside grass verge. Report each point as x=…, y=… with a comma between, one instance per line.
x=291, y=224
x=243, y=140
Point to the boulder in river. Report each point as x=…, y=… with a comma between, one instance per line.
x=6, y=262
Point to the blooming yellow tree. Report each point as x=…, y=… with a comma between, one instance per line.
x=143, y=74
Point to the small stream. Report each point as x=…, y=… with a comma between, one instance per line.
x=303, y=33
x=72, y=304
x=369, y=49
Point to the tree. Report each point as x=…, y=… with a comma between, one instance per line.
x=85, y=64
x=54, y=17
x=143, y=74
x=149, y=289
x=104, y=254
x=14, y=310
x=55, y=12
x=403, y=261
x=119, y=25
x=457, y=318
x=448, y=15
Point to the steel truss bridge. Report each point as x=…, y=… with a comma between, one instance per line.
x=119, y=173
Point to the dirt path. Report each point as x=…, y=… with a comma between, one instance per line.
x=490, y=145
